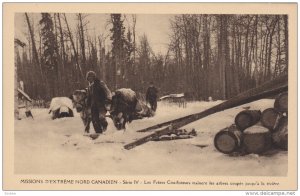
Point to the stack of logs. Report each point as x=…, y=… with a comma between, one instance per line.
x=255, y=131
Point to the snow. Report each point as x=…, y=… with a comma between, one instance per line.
x=45, y=146
x=256, y=129
x=58, y=102
x=63, y=109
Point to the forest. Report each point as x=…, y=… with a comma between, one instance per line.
x=216, y=56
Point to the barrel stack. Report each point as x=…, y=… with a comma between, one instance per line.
x=256, y=132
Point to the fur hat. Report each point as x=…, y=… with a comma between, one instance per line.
x=89, y=74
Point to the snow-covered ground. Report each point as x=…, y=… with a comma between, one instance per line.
x=45, y=146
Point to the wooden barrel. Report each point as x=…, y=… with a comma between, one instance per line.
x=270, y=118
x=247, y=118
x=257, y=139
x=281, y=102
x=280, y=135
x=228, y=140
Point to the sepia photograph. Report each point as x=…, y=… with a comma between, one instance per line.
x=142, y=94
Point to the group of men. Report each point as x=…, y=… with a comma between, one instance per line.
x=100, y=97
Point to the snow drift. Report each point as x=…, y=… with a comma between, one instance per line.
x=43, y=146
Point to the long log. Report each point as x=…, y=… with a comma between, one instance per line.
x=271, y=88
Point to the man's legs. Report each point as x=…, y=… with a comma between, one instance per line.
x=153, y=104
x=96, y=120
x=102, y=119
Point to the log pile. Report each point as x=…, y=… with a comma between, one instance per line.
x=255, y=131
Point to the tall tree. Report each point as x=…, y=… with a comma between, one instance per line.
x=39, y=84
x=78, y=66
x=118, y=48
x=50, y=58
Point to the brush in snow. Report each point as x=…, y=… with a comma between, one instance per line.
x=172, y=137
x=280, y=135
x=178, y=134
x=228, y=140
x=270, y=118
x=257, y=139
x=281, y=102
x=247, y=118
x=155, y=136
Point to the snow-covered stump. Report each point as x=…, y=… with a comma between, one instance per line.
x=280, y=135
x=257, y=139
x=247, y=118
x=61, y=107
x=228, y=140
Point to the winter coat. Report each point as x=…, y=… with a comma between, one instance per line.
x=99, y=94
x=151, y=94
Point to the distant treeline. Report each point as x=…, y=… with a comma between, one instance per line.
x=208, y=55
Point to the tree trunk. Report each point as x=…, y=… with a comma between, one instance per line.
x=74, y=49
x=62, y=55
x=39, y=77
x=82, y=42
x=286, y=41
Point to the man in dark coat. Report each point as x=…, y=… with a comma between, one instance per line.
x=151, y=96
x=99, y=97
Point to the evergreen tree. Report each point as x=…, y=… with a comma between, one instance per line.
x=118, y=49
x=49, y=58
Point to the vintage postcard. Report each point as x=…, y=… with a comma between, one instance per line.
x=150, y=96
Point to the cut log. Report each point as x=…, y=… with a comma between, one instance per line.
x=281, y=102
x=280, y=136
x=228, y=140
x=267, y=89
x=247, y=118
x=270, y=118
x=257, y=139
